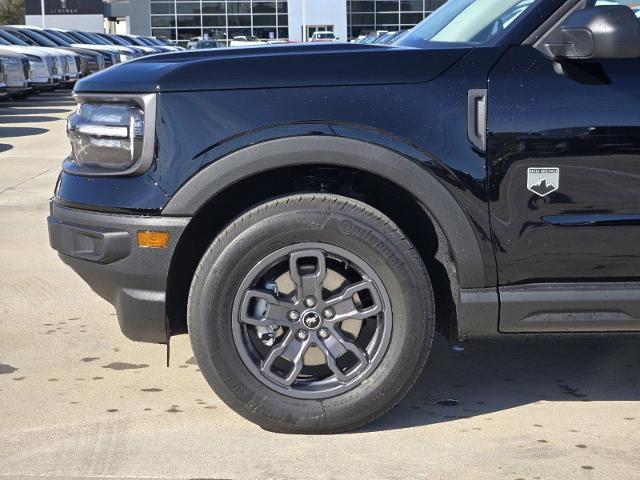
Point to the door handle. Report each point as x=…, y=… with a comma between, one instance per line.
x=477, y=118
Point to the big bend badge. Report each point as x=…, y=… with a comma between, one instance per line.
x=543, y=181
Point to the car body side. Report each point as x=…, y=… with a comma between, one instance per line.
x=351, y=128
x=386, y=124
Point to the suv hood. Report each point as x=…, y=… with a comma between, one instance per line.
x=302, y=65
x=40, y=52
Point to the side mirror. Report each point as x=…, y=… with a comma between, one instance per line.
x=598, y=33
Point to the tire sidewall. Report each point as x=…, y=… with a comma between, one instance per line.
x=254, y=236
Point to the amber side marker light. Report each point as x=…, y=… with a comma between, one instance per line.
x=149, y=239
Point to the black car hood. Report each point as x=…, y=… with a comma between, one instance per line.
x=302, y=65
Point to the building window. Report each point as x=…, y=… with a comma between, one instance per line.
x=368, y=16
x=221, y=19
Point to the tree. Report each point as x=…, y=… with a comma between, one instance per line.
x=11, y=12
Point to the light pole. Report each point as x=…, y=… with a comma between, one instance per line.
x=42, y=11
x=304, y=20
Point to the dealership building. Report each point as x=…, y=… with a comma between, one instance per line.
x=181, y=20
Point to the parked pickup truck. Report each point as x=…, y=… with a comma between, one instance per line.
x=313, y=225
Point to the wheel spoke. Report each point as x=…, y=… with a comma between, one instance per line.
x=293, y=350
x=308, y=284
x=275, y=310
x=345, y=307
x=334, y=347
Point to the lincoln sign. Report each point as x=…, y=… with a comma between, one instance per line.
x=64, y=7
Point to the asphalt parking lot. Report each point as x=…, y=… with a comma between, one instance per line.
x=79, y=400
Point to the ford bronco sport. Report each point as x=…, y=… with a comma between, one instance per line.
x=311, y=214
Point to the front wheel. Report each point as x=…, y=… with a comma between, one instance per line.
x=311, y=314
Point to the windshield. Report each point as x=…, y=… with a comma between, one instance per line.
x=63, y=36
x=12, y=39
x=95, y=39
x=36, y=37
x=113, y=39
x=57, y=40
x=127, y=41
x=80, y=38
x=154, y=41
x=135, y=41
x=467, y=22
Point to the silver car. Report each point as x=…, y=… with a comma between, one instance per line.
x=51, y=66
x=17, y=72
x=3, y=83
x=46, y=68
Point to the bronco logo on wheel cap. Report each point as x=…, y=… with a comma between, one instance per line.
x=311, y=320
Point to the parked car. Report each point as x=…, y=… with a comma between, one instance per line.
x=246, y=41
x=44, y=66
x=60, y=64
x=193, y=42
x=90, y=61
x=144, y=42
x=390, y=37
x=203, y=44
x=16, y=73
x=122, y=54
x=43, y=37
x=323, y=37
x=313, y=225
x=3, y=80
x=129, y=42
x=373, y=38
x=155, y=41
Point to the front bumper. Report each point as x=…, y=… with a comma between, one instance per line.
x=102, y=249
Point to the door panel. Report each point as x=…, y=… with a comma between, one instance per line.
x=583, y=119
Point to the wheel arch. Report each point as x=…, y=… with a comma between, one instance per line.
x=415, y=191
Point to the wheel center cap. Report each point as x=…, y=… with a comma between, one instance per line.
x=311, y=320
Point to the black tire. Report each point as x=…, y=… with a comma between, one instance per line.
x=335, y=220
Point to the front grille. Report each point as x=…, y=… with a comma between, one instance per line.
x=92, y=65
x=26, y=68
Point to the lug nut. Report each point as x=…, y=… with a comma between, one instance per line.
x=302, y=334
x=328, y=313
x=310, y=301
x=323, y=333
x=293, y=315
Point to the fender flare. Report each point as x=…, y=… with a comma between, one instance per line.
x=338, y=151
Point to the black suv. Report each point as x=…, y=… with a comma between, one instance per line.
x=312, y=214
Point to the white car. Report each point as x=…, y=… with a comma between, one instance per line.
x=3, y=84
x=60, y=64
x=323, y=37
x=43, y=66
x=246, y=41
x=16, y=73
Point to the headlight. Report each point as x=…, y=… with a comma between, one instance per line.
x=10, y=61
x=112, y=136
x=125, y=57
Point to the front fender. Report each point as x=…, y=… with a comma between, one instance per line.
x=420, y=181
